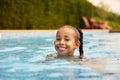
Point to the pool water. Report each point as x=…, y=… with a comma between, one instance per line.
x=22, y=56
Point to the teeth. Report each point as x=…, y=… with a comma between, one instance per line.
x=61, y=48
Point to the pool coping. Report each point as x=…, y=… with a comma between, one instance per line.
x=114, y=31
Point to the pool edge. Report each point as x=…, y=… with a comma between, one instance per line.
x=84, y=30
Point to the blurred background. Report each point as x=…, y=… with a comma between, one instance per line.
x=51, y=14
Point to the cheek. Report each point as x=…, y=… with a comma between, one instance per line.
x=55, y=43
x=73, y=45
x=70, y=44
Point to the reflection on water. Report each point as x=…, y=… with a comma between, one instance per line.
x=24, y=59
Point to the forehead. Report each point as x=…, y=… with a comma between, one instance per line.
x=66, y=32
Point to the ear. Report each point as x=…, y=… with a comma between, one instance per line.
x=77, y=44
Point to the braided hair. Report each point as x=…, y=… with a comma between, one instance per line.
x=81, y=51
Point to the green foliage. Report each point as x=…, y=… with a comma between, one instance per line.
x=114, y=25
x=42, y=14
x=49, y=14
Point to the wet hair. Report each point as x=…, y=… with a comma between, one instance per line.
x=77, y=35
x=81, y=51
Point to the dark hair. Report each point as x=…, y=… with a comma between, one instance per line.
x=81, y=51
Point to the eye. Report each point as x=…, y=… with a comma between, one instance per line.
x=67, y=39
x=58, y=39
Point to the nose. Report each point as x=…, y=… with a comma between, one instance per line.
x=62, y=41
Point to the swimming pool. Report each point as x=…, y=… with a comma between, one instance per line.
x=21, y=54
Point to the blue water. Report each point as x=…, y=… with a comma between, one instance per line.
x=21, y=57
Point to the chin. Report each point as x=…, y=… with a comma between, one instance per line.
x=61, y=53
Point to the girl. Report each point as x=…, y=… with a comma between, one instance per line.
x=67, y=40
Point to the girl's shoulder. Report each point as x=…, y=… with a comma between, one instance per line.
x=51, y=56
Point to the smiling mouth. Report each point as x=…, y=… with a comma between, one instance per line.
x=61, y=48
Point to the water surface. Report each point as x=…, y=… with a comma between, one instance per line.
x=21, y=55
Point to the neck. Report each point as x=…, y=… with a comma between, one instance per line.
x=65, y=56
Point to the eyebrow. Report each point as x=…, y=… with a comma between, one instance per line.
x=66, y=36
x=59, y=36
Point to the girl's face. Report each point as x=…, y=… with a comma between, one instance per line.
x=65, y=43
